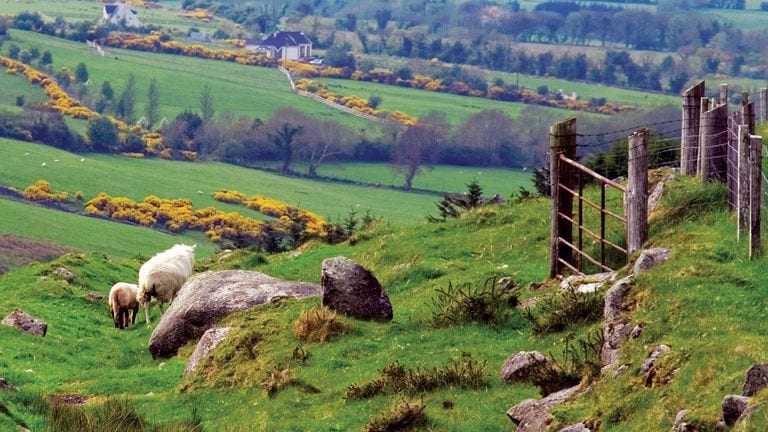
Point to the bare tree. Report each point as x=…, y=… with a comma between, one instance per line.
x=488, y=131
x=415, y=147
x=322, y=140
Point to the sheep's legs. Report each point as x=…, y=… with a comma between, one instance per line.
x=146, y=311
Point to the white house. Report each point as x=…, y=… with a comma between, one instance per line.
x=121, y=15
x=283, y=45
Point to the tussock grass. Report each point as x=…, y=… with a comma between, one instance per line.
x=487, y=304
x=320, y=324
x=404, y=416
x=464, y=372
x=686, y=199
x=562, y=309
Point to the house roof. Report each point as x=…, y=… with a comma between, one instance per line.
x=110, y=8
x=285, y=38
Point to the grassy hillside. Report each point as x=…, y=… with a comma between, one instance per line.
x=12, y=86
x=705, y=303
x=136, y=179
x=90, y=234
x=240, y=89
x=419, y=102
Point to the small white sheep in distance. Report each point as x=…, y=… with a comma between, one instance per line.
x=123, y=301
x=163, y=275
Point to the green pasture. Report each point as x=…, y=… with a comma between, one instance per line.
x=81, y=10
x=12, y=86
x=441, y=178
x=419, y=102
x=138, y=178
x=243, y=90
x=90, y=234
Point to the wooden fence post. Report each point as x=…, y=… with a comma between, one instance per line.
x=703, y=131
x=637, y=191
x=562, y=141
x=689, y=142
x=743, y=189
x=724, y=93
x=756, y=177
x=762, y=105
x=713, y=163
x=748, y=115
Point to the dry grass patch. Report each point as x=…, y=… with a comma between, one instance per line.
x=403, y=416
x=320, y=324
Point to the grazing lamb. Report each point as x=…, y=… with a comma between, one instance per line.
x=122, y=301
x=163, y=275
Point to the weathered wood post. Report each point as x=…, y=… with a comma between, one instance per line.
x=703, y=127
x=724, y=93
x=748, y=112
x=562, y=141
x=637, y=191
x=689, y=141
x=756, y=178
x=762, y=105
x=712, y=143
x=743, y=189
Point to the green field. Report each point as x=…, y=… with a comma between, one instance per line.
x=444, y=178
x=91, y=234
x=419, y=102
x=242, y=90
x=80, y=10
x=136, y=179
x=12, y=86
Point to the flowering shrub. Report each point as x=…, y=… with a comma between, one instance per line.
x=198, y=14
x=41, y=191
x=313, y=225
x=238, y=43
x=133, y=155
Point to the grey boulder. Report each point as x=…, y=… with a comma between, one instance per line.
x=757, y=379
x=210, y=340
x=353, y=290
x=26, y=322
x=207, y=297
x=525, y=366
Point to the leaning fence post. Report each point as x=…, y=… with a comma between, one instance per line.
x=762, y=105
x=756, y=177
x=743, y=189
x=637, y=191
x=724, y=93
x=562, y=141
x=689, y=141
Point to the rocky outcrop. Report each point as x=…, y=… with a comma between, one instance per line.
x=64, y=274
x=525, y=366
x=651, y=360
x=353, y=290
x=578, y=427
x=26, y=322
x=207, y=297
x=586, y=283
x=616, y=325
x=533, y=415
x=756, y=380
x=650, y=258
x=734, y=407
x=210, y=340
x=681, y=425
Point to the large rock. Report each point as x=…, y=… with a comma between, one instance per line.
x=26, y=322
x=533, y=415
x=757, y=379
x=207, y=297
x=65, y=274
x=210, y=340
x=733, y=407
x=650, y=258
x=578, y=427
x=524, y=366
x=681, y=425
x=616, y=326
x=651, y=360
x=352, y=289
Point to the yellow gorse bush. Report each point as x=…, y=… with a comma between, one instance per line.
x=41, y=191
x=314, y=224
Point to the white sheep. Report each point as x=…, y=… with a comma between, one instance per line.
x=163, y=275
x=122, y=301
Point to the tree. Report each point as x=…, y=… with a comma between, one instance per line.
x=382, y=18
x=414, y=148
x=283, y=138
x=151, y=113
x=13, y=51
x=81, y=73
x=46, y=58
x=127, y=102
x=106, y=90
x=102, y=134
x=206, y=104
x=489, y=133
x=322, y=140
